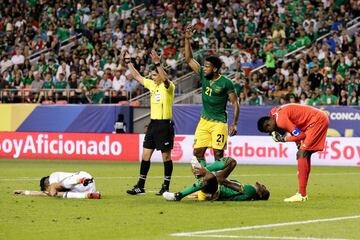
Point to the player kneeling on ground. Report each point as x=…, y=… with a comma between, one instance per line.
x=214, y=185
x=65, y=185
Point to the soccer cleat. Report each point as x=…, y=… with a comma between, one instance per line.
x=169, y=196
x=296, y=198
x=95, y=195
x=195, y=163
x=162, y=190
x=136, y=191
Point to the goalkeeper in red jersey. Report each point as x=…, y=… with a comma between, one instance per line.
x=307, y=127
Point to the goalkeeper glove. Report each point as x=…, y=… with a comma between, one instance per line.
x=277, y=137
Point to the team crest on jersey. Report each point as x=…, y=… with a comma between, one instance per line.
x=218, y=89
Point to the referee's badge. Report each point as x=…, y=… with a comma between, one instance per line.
x=157, y=97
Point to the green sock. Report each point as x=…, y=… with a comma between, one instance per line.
x=219, y=164
x=189, y=190
x=202, y=162
x=216, y=166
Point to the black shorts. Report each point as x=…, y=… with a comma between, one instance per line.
x=160, y=135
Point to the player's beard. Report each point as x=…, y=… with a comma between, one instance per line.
x=210, y=76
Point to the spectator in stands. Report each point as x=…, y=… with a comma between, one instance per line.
x=315, y=77
x=111, y=26
x=63, y=69
x=95, y=96
x=343, y=99
x=255, y=99
x=131, y=86
x=36, y=86
x=118, y=84
x=105, y=82
x=18, y=58
x=354, y=99
x=61, y=87
x=329, y=98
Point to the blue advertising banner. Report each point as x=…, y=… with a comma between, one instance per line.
x=76, y=118
x=344, y=121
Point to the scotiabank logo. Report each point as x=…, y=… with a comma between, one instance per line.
x=69, y=146
x=177, y=151
x=251, y=150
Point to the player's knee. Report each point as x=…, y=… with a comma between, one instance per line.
x=218, y=154
x=199, y=152
x=232, y=163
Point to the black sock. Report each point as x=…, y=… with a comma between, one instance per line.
x=168, y=168
x=144, y=169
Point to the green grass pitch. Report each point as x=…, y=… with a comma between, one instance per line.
x=334, y=193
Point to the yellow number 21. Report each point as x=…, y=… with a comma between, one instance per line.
x=208, y=91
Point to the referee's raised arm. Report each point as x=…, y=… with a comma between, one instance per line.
x=125, y=56
x=163, y=75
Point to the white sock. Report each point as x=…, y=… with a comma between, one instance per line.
x=75, y=195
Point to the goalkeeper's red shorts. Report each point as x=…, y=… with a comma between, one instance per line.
x=316, y=135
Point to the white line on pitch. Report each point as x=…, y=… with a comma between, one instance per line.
x=191, y=176
x=266, y=237
x=264, y=226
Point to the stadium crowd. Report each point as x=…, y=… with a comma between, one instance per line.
x=245, y=34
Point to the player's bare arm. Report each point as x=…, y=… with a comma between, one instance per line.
x=193, y=64
x=236, y=110
x=156, y=60
x=30, y=193
x=125, y=57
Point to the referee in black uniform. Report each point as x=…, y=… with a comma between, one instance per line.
x=160, y=133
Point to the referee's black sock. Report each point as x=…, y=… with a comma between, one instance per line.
x=168, y=168
x=144, y=169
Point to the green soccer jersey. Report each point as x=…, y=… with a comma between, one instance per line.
x=329, y=100
x=27, y=81
x=247, y=193
x=47, y=85
x=214, y=97
x=97, y=97
x=61, y=85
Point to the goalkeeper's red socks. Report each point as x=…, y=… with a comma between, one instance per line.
x=303, y=175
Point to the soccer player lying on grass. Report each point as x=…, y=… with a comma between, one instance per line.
x=308, y=127
x=214, y=185
x=65, y=185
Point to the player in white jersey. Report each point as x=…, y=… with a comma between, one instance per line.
x=66, y=185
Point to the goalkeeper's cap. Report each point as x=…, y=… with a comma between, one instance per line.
x=43, y=183
x=262, y=122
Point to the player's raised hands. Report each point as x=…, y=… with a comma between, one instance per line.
x=189, y=31
x=125, y=56
x=154, y=57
